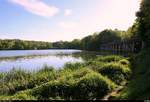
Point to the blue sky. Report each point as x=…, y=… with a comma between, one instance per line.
x=54, y=20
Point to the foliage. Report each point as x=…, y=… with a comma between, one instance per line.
x=124, y=62
x=74, y=66
x=144, y=22
x=76, y=81
x=138, y=87
x=17, y=80
x=116, y=72
x=75, y=44
x=110, y=58
x=93, y=42
x=94, y=86
x=23, y=45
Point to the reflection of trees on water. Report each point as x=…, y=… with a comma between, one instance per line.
x=85, y=55
x=21, y=57
x=88, y=55
x=60, y=55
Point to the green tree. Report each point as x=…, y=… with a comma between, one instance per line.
x=144, y=22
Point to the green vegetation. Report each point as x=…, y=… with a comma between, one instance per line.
x=78, y=81
x=23, y=45
x=91, y=42
x=139, y=86
x=144, y=22
x=91, y=80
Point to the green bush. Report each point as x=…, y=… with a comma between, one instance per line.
x=2, y=75
x=93, y=86
x=73, y=66
x=42, y=76
x=23, y=95
x=95, y=65
x=17, y=80
x=54, y=89
x=139, y=86
x=16, y=74
x=124, y=62
x=111, y=58
x=14, y=81
x=116, y=72
x=81, y=73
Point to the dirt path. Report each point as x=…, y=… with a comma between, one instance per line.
x=114, y=92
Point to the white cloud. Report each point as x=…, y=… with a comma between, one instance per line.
x=68, y=12
x=37, y=7
x=67, y=25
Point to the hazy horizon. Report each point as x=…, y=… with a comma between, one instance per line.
x=53, y=20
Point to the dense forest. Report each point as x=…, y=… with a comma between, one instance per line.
x=91, y=42
x=23, y=45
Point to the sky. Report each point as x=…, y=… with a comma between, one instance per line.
x=55, y=20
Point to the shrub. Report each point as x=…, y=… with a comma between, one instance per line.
x=23, y=95
x=73, y=66
x=95, y=65
x=14, y=81
x=116, y=72
x=75, y=75
x=54, y=89
x=17, y=80
x=81, y=73
x=109, y=58
x=16, y=74
x=42, y=76
x=124, y=62
x=93, y=86
x=2, y=75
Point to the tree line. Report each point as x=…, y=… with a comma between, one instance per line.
x=16, y=44
x=94, y=41
x=91, y=42
x=140, y=29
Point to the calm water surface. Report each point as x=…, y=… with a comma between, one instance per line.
x=32, y=60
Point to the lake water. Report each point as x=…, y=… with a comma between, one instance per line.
x=32, y=60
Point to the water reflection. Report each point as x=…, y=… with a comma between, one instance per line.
x=35, y=61
x=32, y=60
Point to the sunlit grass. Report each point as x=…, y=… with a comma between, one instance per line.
x=76, y=81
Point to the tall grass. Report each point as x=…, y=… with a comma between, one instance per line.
x=116, y=72
x=76, y=81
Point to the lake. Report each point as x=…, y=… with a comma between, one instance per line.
x=33, y=60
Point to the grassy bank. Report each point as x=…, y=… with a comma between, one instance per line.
x=91, y=80
x=139, y=86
